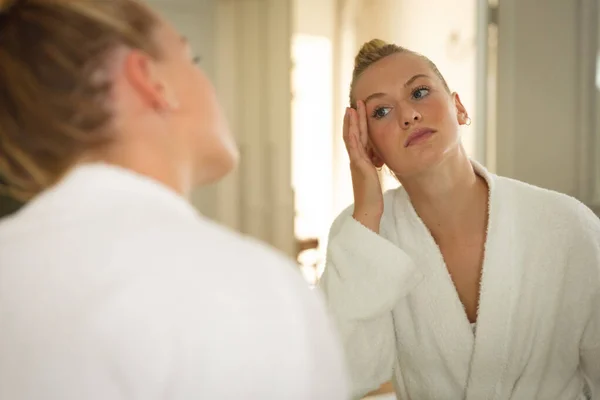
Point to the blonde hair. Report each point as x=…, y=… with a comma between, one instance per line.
x=377, y=49
x=54, y=108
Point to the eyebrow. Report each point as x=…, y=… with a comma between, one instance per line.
x=414, y=78
x=407, y=83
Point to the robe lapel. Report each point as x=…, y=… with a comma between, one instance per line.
x=440, y=311
x=497, y=301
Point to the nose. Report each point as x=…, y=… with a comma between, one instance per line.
x=409, y=117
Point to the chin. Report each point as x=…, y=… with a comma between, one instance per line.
x=418, y=162
x=217, y=167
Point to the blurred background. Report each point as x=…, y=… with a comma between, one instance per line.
x=528, y=71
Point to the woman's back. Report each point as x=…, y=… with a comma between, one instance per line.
x=131, y=294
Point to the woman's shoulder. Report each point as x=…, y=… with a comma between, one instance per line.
x=544, y=202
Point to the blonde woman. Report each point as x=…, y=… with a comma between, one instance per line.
x=460, y=284
x=112, y=287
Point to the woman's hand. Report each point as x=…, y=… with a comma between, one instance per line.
x=368, y=196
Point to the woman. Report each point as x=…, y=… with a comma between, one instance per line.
x=111, y=285
x=460, y=284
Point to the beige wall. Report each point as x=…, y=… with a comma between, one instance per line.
x=544, y=134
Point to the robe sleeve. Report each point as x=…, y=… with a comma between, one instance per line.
x=590, y=350
x=589, y=256
x=365, y=276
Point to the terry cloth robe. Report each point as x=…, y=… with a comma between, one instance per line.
x=538, y=326
x=112, y=287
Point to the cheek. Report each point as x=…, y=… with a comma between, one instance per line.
x=210, y=116
x=197, y=112
x=194, y=93
x=375, y=133
x=385, y=138
x=430, y=109
x=383, y=131
x=440, y=111
x=443, y=117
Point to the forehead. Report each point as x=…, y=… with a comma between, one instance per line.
x=389, y=73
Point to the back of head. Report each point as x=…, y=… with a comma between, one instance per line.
x=52, y=87
x=376, y=50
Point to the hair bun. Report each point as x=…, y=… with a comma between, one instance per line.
x=372, y=46
x=372, y=51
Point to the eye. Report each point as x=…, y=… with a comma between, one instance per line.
x=420, y=93
x=381, y=112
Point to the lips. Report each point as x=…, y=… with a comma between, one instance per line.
x=419, y=135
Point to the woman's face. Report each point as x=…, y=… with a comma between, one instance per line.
x=413, y=121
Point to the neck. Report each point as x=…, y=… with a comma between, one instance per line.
x=450, y=198
x=144, y=161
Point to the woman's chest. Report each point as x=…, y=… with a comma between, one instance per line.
x=463, y=260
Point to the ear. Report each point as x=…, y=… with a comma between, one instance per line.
x=462, y=115
x=142, y=73
x=376, y=160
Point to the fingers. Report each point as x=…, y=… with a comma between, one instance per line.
x=354, y=140
x=363, y=129
x=355, y=131
x=346, y=125
x=349, y=137
x=353, y=137
x=351, y=146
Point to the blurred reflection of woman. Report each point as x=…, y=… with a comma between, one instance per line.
x=111, y=285
x=460, y=284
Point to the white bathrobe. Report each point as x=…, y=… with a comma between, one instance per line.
x=538, y=327
x=112, y=287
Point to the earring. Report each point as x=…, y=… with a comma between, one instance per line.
x=468, y=121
